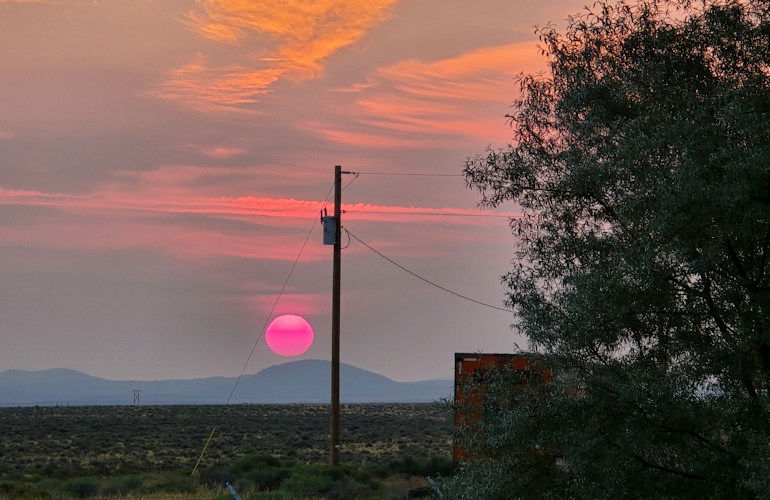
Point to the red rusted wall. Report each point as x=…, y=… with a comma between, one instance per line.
x=479, y=367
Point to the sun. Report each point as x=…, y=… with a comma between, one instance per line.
x=289, y=335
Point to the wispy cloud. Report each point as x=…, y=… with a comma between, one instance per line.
x=236, y=206
x=166, y=210
x=223, y=152
x=151, y=234
x=413, y=102
x=291, y=39
x=294, y=303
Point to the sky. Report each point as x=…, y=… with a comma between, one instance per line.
x=162, y=161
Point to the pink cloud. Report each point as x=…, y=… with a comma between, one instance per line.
x=290, y=303
x=134, y=202
x=237, y=206
x=181, y=242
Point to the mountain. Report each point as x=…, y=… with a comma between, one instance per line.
x=305, y=381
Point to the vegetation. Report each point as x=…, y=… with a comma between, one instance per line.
x=641, y=163
x=253, y=476
x=65, y=442
x=163, y=485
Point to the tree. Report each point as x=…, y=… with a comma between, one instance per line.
x=641, y=164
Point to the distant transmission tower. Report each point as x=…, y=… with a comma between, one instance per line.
x=137, y=396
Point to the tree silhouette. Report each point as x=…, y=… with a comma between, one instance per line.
x=641, y=162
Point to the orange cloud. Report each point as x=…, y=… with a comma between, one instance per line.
x=436, y=102
x=227, y=85
x=222, y=152
x=373, y=139
x=303, y=34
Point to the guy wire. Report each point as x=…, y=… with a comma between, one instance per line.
x=262, y=331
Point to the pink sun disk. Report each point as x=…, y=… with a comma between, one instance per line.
x=289, y=335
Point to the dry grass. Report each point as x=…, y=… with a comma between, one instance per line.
x=72, y=441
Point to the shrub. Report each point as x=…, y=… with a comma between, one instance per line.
x=14, y=489
x=362, y=475
x=308, y=482
x=349, y=489
x=269, y=495
x=80, y=487
x=171, y=484
x=216, y=476
x=267, y=478
x=251, y=462
x=123, y=484
x=47, y=484
x=438, y=466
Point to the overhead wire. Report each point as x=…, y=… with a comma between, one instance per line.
x=278, y=297
x=426, y=280
x=262, y=331
x=351, y=181
x=329, y=196
x=343, y=248
x=422, y=174
x=446, y=214
x=272, y=309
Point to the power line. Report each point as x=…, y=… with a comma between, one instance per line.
x=422, y=174
x=351, y=181
x=426, y=280
x=327, y=198
x=329, y=195
x=275, y=303
x=262, y=331
x=448, y=214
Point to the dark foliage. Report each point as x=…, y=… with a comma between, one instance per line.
x=641, y=165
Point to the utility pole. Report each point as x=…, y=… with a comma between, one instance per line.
x=336, y=284
x=333, y=236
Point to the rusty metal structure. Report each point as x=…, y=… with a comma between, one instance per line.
x=473, y=373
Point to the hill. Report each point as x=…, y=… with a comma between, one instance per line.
x=305, y=381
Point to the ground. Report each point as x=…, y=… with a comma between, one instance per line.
x=61, y=442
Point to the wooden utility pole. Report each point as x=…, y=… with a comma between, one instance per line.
x=335, y=423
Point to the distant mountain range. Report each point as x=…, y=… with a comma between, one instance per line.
x=305, y=381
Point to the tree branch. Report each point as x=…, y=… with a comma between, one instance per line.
x=742, y=375
x=655, y=466
x=763, y=262
x=713, y=311
x=735, y=260
x=694, y=434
